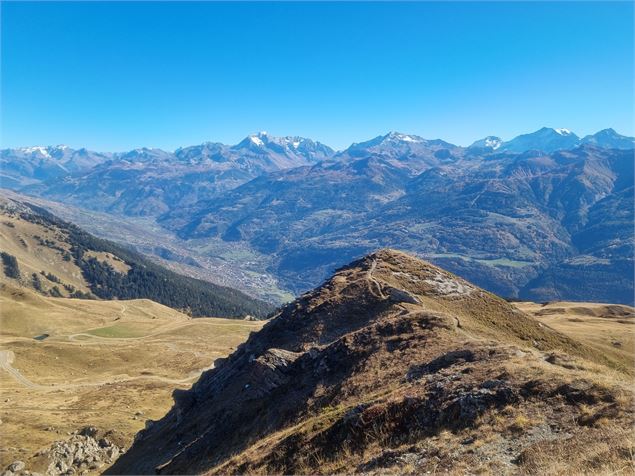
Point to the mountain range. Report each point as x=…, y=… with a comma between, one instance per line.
x=549, y=140
x=226, y=166
x=546, y=215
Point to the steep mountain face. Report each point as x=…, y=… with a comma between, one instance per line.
x=603, y=266
x=506, y=221
x=57, y=259
x=396, y=366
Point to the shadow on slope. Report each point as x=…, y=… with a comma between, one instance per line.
x=370, y=370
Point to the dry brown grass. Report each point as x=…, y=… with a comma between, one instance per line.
x=443, y=379
x=608, y=328
x=605, y=451
x=21, y=241
x=92, y=380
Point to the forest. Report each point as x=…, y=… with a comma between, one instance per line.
x=144, y=279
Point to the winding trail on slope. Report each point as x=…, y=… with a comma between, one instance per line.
x=371, y=279
x=6, y=359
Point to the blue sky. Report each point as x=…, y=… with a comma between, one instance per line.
x=113, y=76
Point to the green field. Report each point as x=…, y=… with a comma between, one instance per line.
x=120, y=331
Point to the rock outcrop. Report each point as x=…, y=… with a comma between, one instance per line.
x=86, y=451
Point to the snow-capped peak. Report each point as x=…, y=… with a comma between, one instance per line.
x=489, y=142
x=36, y=149
x=289, y=141
x=264, y=139
x=257, y=140
x=493, y=142
x=563, y=132
x=399, y=137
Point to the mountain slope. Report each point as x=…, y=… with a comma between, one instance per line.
x=61, y=260
x=394, y=365
x=609, y=139
x=502, y=221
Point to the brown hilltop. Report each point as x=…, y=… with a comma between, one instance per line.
x=395, y=365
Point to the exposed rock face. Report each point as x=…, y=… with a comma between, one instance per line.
x=17, y=466
x=392, y=364
x=88, y=450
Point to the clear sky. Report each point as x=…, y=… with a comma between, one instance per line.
x=114, y=76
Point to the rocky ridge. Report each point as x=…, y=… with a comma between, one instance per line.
x=395, y=365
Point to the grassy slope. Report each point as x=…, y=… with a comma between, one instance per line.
x=87, y=375
x=607, y=328
x=396, y=366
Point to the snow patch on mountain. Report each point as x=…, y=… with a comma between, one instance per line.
x=256, y=140
x=489, y=142
x=399, y=137
x=38, y=149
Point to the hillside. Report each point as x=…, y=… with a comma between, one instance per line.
x=69, y=364
x=606, y=327
x=396, y=366
x=58, y=259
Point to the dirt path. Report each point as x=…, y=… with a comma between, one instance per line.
x=371, y=279
x=6, y=359
x=162, y=330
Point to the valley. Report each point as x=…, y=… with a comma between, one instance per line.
x=68, y=363
x=59, y=259
x=232, y=265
